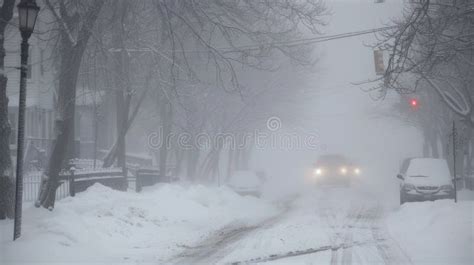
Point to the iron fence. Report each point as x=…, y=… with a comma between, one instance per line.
x=86, y=175
x=32, y=184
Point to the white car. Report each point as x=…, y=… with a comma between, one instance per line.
x=246, y=182
x=425, y=179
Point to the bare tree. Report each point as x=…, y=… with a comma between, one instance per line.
x=210, y=42
x=191, y=47
x=131, y=65
x=431, y=44
x=75, y=20
x=432, y=48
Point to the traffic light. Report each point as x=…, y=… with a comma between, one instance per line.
x=414, y=103
x=378, y=62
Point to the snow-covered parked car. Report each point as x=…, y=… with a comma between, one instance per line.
x=425, y=179
x=247, y=182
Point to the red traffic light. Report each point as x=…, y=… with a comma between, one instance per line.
x=414, y=102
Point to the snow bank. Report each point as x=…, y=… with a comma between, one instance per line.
x=244, y=179
x=439, y=232
x=106, y=226
x=466, y=195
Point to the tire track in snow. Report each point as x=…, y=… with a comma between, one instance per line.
x=296, y=253
x=364, y=221
x=344, y=234
x=347, y=251
x=388, y=248
x=357, y=236
x=370, y=223
x=214, y=248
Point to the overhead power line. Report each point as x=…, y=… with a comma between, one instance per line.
x=306, y=41
x=288, y=43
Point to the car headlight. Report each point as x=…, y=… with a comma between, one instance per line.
x=447, y=187
x=408, y=187
x=357, y=171
x=318, y=172
x=343, y=170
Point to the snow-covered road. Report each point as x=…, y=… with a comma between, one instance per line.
x=331, y=226
x=219, y=244
x=327, y=227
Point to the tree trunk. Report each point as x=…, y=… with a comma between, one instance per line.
x=64, y=125
x=123, y=108
x=123, y=95
x=70, y=62
x=207, y=167
x=122, y=84
x=426, y=150
x=166, y=117
x=210, y=165
x=230, y=163
x=192, y=162
x=445, y=141
x=243, y=160
x=121, y=120
x=5, y=130
x=113, y=152
x=237, y=157
x=6, y=176
x=470, y=157
x=179, y=160
x=434, y=144
x=466, y=149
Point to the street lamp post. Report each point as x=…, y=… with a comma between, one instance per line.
x=27, y=13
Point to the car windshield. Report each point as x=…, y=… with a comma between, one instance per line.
x=332, y=160
x=213, y=132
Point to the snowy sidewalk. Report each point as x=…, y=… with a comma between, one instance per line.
x=109, y=227
x=439, y=232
